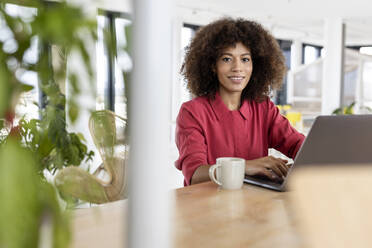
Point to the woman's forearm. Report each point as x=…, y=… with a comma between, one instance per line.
x=201, y=174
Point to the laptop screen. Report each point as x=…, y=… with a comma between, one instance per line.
x=337, y=140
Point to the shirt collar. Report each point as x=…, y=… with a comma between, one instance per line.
x=244, y=109
x=220, y=109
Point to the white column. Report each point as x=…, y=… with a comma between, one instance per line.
x=332, y=83
x=296, y=54
x=296, y=60
x=149, y=115
x=177, y=25
x=359, y=99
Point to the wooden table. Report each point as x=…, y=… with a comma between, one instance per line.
x=328, y=206
x=101, y=226
x=204, y=216
x=333, y=204
x=207, y=216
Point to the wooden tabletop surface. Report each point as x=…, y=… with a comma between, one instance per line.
x=203, y=216
x=207, y=216
x=328, y=206
x=100, y=226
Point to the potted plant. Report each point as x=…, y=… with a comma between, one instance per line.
x=349, y=109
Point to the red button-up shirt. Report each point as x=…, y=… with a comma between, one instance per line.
x=207, y=129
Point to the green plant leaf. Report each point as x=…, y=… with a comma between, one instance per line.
x=81, y=137
x=73, y=111
x=73, y=80
x=26, y=87
x=18, y=191
x=337, y=111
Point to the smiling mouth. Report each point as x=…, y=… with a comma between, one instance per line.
x=236, y=79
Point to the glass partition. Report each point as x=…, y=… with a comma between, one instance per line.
x=305, y=84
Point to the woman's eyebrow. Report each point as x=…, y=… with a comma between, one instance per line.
x=230, y=54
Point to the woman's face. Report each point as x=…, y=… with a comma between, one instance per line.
x=234, y=68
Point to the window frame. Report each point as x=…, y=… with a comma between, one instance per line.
x=109, y=85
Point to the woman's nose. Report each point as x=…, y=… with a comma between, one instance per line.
x=237, y=65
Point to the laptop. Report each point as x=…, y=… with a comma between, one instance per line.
x=336, y=139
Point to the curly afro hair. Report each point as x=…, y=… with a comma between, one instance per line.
x=207, y=45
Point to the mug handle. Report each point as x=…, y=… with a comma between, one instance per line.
x=211, y=174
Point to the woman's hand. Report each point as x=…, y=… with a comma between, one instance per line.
x=273, y=168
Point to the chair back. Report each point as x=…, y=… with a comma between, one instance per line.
x=108, y=133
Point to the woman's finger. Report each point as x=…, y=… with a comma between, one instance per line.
x=275, y=167
x=284, y=168
x=267, y=173
x=283, y=165
x=274, y=177
x=284, y=160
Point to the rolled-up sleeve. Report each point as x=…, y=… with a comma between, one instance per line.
x=191, y=143
x=282, y=136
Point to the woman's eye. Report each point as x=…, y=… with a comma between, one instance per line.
x=246, y=59
x=226, y=59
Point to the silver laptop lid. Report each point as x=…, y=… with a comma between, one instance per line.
x=337, y=139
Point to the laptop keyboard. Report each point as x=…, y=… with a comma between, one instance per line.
x=261, y=180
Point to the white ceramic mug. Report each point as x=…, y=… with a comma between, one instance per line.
x=230, y=172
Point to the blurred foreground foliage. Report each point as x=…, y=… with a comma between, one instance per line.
x=27, y=148
x=27, y=202
x=57, y=25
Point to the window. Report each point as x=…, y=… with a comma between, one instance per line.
x=180, y=92
x=311, y=53
x=280, y=97
x=365, y=98
x=187, y=33
x=110, y=78
x=366, y=50
x=27, y=106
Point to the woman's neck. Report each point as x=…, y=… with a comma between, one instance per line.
x=231, y=100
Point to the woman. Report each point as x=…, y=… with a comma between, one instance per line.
x=231, y=66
